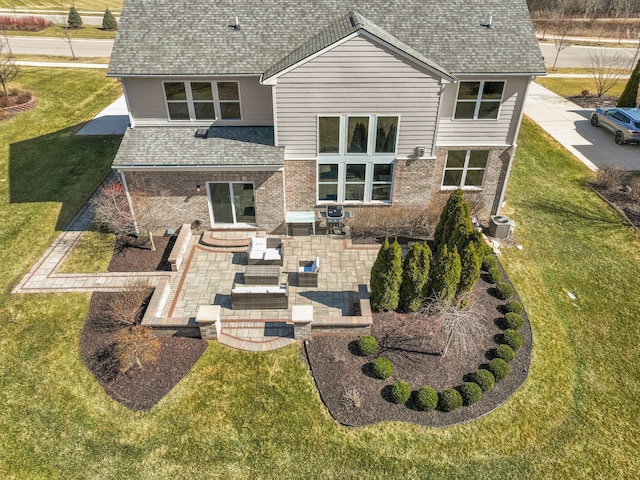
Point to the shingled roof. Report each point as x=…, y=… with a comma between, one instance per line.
x=170, y=37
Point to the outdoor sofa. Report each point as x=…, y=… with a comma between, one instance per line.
x=265, y=251
x=263, y=297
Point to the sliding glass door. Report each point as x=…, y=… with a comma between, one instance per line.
x=232, y=203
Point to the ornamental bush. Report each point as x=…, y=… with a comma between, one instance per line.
x=512, y=320
x=484, y=378
x=513, y=338
x=400, y=392
x=454, y=225
x=449, y=400
x=445, y=274
x=109, y=21
x=489, y=261
x=470, y=392
x=513, y=306
x=505, y=352
x=470, y=269
x=386, y=276
x=504, y=290
x=629, y=97
x=499, y=368
x=382, y=368
x=426, y=398
x=74, y=20
x=495, y=274
x=415, y=272
x=367, y=345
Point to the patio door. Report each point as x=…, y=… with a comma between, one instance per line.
x=231, y=203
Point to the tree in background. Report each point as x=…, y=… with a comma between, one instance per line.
x=415, y=273
x=74, y=20
x=8, y=68
x=386, y=276
x=109, y=21
x=629, y=97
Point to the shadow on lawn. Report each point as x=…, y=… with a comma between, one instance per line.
x=60, y=167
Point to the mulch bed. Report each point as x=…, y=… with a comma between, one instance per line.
x=621, y=200
x=593, y=101
x=139, y=389
x=418, y=339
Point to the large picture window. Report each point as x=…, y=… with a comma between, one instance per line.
x=202, y=100
x=346, y=181
x=358, y=135
x=465, y=168
x=478, y=100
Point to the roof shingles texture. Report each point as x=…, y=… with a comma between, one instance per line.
x=180, y=37
x=178, y=146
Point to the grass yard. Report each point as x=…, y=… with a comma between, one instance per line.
x=569, y=87
x=91, y=254
x=242, y=415
x=81, y=5
x=87, y=31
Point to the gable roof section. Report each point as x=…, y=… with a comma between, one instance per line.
x=180, y=37
x=224, y=147
x=346, y=26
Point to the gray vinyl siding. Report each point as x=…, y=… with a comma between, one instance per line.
x=356, y=77
x=148, y=107
x=483, y=132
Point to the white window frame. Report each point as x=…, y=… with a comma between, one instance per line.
x=465, y=168
x=478, y=100
x=369, y=158
x=191, y=102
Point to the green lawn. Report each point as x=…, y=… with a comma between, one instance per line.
x=81, y=5
x=568, y=87
x=243, y=415
x=87, y=31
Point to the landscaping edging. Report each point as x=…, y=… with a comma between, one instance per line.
x=23, y=107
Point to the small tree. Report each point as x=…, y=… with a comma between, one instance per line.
x=134, y=346
x=470, y=269
x=109, y=21
x=386, y=276
x=607, y=68
x=561, y=42
x=74, y=21
x=445, y=274
x=415, y=272
x=629, y=97
x=8, y=68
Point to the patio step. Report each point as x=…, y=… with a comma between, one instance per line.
x=256, y=335
x=228, y=238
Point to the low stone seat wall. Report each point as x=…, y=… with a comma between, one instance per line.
x=180, y=247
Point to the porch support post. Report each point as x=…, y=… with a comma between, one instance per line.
x=123, y=180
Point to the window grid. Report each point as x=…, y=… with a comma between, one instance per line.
x=194, y=101
x=465, y=169
x=479, y=100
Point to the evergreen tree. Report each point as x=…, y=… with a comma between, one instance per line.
x=470, y=269
x=109, y=21
x=454, y=224
x=386, y=276
x=445, y=274
x=415, y=272
x=629, y=97
x=74, y=20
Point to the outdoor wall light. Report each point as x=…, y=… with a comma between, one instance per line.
x=197, y=188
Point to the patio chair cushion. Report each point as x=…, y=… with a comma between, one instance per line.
x=315, y=266
x=271, y=254
x=258, y=243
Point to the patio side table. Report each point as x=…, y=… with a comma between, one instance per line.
x=262, y=275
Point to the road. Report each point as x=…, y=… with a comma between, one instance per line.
x=60, y=46
x=578, y=56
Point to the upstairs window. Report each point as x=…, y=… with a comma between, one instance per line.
x=465, y=168
x=357, y=135
x=202, y=100
x=478, y=100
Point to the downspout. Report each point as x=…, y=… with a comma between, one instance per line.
x=437, y=125
x=513, y=148
x=123, y=180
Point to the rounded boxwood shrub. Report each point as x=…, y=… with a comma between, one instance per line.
x=513, y=306
x=495, y=274
x=513, y=338
x=399, y=392
x=470, y=392
x=499, y=368
x=488, y=262
x=382, y=368
x=426, y=398
x=449, y=400
x=484, y=378
x=505, y=352
x=513, y=321
x=504, y=290
x=367, y=345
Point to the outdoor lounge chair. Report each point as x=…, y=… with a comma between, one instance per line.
x=308, y=273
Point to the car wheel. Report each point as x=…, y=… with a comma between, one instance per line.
x=594, y=120
x=619, y=138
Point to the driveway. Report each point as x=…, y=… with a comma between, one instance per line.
x=569, y=124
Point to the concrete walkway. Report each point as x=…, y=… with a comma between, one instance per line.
x=569, y=125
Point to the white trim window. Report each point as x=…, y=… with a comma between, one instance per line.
x=479, y=100
x=465, y=169
x=189, y=101
x=356, y=155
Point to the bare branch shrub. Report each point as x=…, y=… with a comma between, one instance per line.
x=634, y=185
x=126, y=306
x=392, y=222
x=135, y=346
x=464, y=326
x=351, y=397
x=609, y=177
x=8, y=68
x=607, y=68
